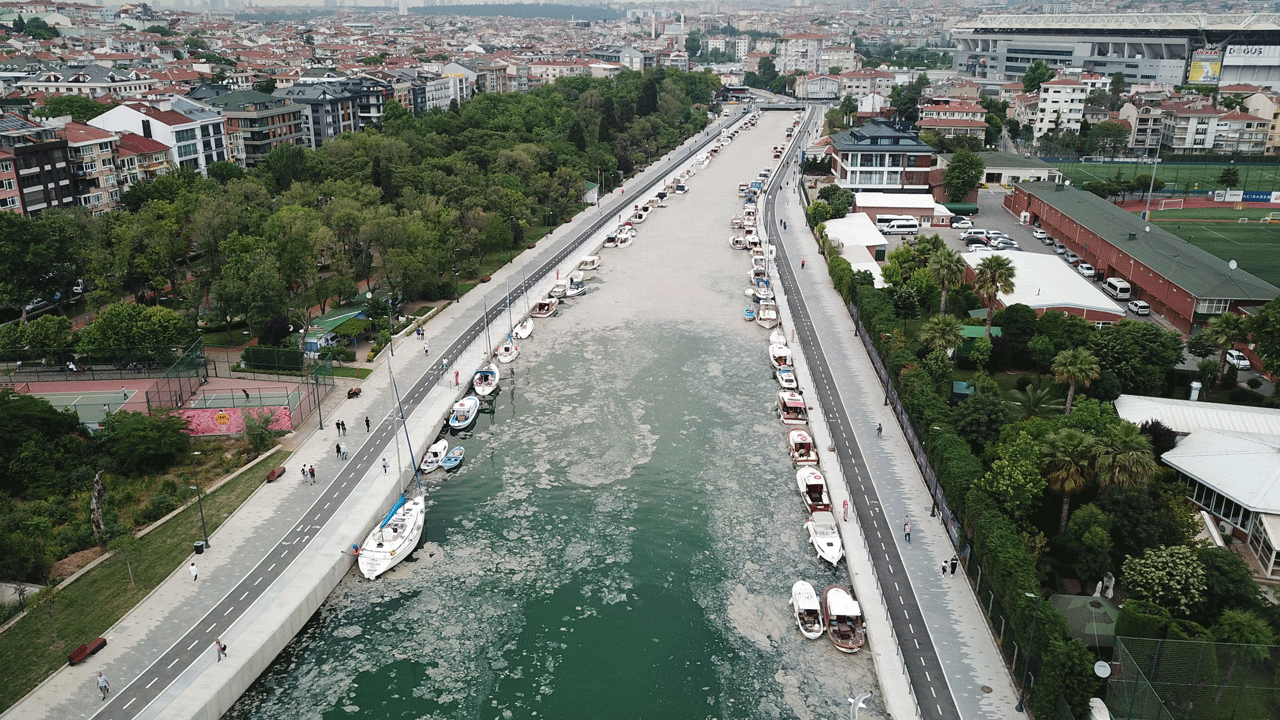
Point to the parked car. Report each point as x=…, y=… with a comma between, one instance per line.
x=981, y=248
x=995, y=234
x=1138, y=307
x=1237, y=358
x=1086, y=270
x=1005, y=244
x=1039, y=234
x=979, y=232
x=1059, y=248
x=1071, y=257
x=972, y=240
x=961, y=223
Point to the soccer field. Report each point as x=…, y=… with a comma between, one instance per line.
x=1253, y=245
x=1178, y=177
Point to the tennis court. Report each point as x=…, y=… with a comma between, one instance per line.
x=93, y=406
x=246, y=397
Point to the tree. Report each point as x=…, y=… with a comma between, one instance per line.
x=1137, y=355
x=1229, y=177
x=138, y=442
x=941, y=332
x=1252, y=638
x=1171, y=577
x=80, y=108
x=979, y=418
x=1035, y=400
x=126, y=546
x=993, y=275
x=1089, y=542
x=1124, y=457
x=1224, y=331
x=1107, y=138
x=693, y=44
x=1201, y=346
x=1068, y=465
x=1229, y=583
x=1014, y=480
x=1264, y=333
x=135, y=331
x=1116, y=88
x=1076, y=367
x=1148, y=516
x=1037, y=74
x=963, y=175
x=947, y=268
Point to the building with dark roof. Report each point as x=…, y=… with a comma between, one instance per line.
x=1185, y=284
x=35, y=162
x=878, y=157
x=258, y=123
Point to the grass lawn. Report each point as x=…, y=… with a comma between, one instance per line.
x=1253, y=246
x=93, y=603
x=1178, y=177
x=233, y=338
x=352, y=372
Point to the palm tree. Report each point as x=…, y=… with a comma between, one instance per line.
x=1224, y=332
x=993, y=275
x=1077, y=366
x=1034, y=400
x=1069, y=457
x=1124, y=457
x=941, y=332
x=947, y=269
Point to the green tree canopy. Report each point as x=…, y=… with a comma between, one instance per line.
x=1037, y=74
x=1171, y=577
x=963, y=175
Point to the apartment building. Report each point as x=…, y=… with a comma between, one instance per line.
x=1187, y=126
x=839, y=56
x=139, y=159
x=258, y=123
x=818, y=87
x=88, y=80
x=92, y=152
x=327, y=111
x=951, y=118
x=801, y=51
x=1060, y=106
x=35, y=167
x=1240, y=133
x=867, y=81
x=877, y=157
x=194, y=132
x=1146, y=127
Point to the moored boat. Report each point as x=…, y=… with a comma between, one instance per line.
x=791, y=408
x=464, y=413
x=749, y=314
x=737, y=242
x=813, y=489
x=394, y=538
x=825, y=536
x=767, y=313
x=485, y=380
x=777, y=337
x=508, y=350
x=808, y=611
x=803, y=450
x=780, y=356
x=434, y=454
x=574, y=284
x=544, y=307
x=523, y=329
x=589, y=264
x=843, y=619
x=611, y=240
x=454, y=458
x=559, y=289
x=786, y=378
x=625, y=240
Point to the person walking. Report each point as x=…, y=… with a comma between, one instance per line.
x=219, y=648
x=124, y=394
x=337, y=450
x=304, y=473
x=195, y=572
x=954, y=562
x=312, y=472
x=426, y=351
x=103, y=686
x=384, y=466
x=879, y=429
x=801, y=264
x=906, y=529
x=246, y=394
x=366, y=423
x=944, y=568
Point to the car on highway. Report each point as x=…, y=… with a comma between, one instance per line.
x=1039, y=234
x=1138, y=307
x=1071, y=257
x=1237, y=358
x=1086, y=270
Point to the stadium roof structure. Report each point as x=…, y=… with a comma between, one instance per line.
x=1198, y=272
x=1236, y=27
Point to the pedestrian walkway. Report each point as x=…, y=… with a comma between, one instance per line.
x=972, y=666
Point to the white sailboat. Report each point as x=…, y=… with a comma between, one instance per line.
x=507, y=349
x=485, y=380
x=394, y=538
x=523, y=329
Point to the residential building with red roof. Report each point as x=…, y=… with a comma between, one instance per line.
x=196, y=132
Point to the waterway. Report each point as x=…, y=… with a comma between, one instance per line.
x=623, y=535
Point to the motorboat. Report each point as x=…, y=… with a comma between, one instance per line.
x=749, y=314
x=843, y=619
x=611, y=240
x=804, y=602
x=625, y=240
x=523, y=329
x=681, y=188
x=638, y=216
x=737, y=242
x=545, y=307
x=735, y=222
x=485, y=380
x=453, y=459
x=791, y=408
x=559, y=289
x=780, y=356
x=767, y=312
x=464, y=413
x=588, y=264
x=394, y=538
x=575, y=286
x=813, y=489
x=508, y=350
x=762, y=291
x=431, y=459
x=825, y=536
x=803, y=451
x=757, y=261
x=777, y=337
x=786, y=378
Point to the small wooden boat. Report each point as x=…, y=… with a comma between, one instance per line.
x=453, y=459
x=523, y=329
x=825, y=536
x=464, y=413
x=431, y=459
x=842, y=616
x=808, y=611
x=805, y=452
x=544, y=308
x=749, y=314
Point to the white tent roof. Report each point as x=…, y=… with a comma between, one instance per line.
x=1243, y=466
x=1045, y=281
x=855, y=229
x=912, y=201
x=1185, y=416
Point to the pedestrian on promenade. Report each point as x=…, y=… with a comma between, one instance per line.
x=219, y=648
x=906, y=529
x=337, y=450
x=944, y=568
x=246, y=394
x=103, y=686
x=802, y=264
x=366, y=423
x=879, y=429
x=384, y=466
x=195, y=572
x=426, y=351
x=304, y=473
x=954, y=562
x=312, y=472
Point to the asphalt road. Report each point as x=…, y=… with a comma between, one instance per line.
x=932, y=692
x=144, y=689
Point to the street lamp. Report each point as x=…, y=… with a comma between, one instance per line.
x=200, y=500
x=856, y=704
x=319, y=400
x=1026, y=667
x=391, y=332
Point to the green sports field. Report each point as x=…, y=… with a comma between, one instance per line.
x=1253, y=245
x=1178, y=177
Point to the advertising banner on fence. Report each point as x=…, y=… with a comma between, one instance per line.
x=229, y=421
x=1230, y=196
x=1262, y=197
x=1205, y=67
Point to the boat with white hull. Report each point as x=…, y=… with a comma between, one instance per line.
x=803, y=450
x=791, y=408
x=813, y=489
x=544, y=308
x=777, y=337
x=434, y=454
x=523, y=329
x=808, y=611
x=786, y=378
x=780, y=356
x=825, y=536
x=394, y=538
x=767, y=313
x=464, y=413
x=485, y=380
x=842, y=616
x=588, y=265
x=507, y=350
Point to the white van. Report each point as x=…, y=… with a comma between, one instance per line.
x=1117, y=288
x=897, y=225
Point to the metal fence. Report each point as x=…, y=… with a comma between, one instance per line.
x=180, y=380
x=1186, y=680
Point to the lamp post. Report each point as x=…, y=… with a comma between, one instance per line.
x=856, y=704
x=319, y=400
x=1022, y=686
x=391, y=332
x=1155, y=165
x=200, y=500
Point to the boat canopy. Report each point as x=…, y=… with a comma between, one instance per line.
x=841, y=604
x=394, y=509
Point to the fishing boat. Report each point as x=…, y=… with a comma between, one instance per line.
x=786, y=378
x=791, y=408
x=453, y=459
x=464, y=413
x=431, y=459
x=825, y=536
x=588, y=265
x=804, y=602
x=842, y=616
x=737, y=242
x=803, y=449
x=394, y=538
x=523, y=329
x=749, y=314
x=767, y=313
x=545, y=307
x=485, y=380
x=575, y=286
x=780, y=356
x=777, y=337
x=625, y=240
x=813, y=489
x=611, y=240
